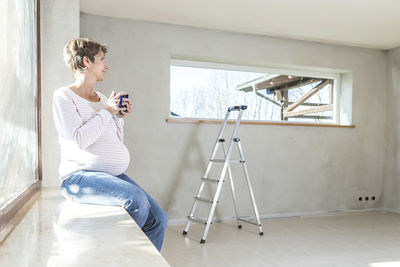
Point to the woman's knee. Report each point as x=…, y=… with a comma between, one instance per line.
x=137, y=201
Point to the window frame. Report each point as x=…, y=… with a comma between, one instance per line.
x=293, y=70
x=8, y=214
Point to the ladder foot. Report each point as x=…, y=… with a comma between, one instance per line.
x=202, y=241
x=184, y=233
x=261, y=233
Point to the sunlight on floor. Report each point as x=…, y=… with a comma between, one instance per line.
x=349, y=240
x=385, y=264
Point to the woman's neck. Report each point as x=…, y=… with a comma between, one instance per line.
x=84, y=87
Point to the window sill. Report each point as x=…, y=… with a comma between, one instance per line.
x=279, y=123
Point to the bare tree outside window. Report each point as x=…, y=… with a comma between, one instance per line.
x=207, y=93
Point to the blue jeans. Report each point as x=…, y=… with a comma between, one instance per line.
x=90, y=187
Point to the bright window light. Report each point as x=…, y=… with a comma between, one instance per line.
x=206, y=90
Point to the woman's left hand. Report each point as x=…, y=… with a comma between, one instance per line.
x=127, y=110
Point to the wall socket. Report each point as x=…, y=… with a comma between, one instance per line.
x=366, y=198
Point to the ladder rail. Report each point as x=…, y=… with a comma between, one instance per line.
x=223, y=173
x=193, y=209
x=246, y=172
x=221, y=132
x=215, y=149
x=213, y=206
x=232, y=186
x=195, y=202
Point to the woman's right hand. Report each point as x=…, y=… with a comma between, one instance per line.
x=112, y=103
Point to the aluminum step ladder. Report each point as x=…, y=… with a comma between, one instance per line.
x=226, y=168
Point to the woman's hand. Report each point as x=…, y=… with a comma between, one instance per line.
x=125, y=111
x=112, y=103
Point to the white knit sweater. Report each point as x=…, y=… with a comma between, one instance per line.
x=89, y=140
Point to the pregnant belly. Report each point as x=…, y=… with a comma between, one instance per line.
x=111, y=158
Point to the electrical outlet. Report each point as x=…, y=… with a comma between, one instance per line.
x=367, y=198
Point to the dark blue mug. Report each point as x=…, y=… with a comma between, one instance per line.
x=121, y=97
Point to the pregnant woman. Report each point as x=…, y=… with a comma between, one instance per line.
x=93, y=155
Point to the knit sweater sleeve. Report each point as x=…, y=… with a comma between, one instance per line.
x=70, y=124
x=120, y=127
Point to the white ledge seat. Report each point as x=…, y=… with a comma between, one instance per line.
x=55, y=232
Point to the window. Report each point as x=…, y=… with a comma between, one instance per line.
x=206, y=90
x=18, y=101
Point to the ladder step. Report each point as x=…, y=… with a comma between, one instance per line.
x=210, y=180
x=247, y=221
x=218, y=160
x=204, y=199
x=223, y=161
x=196, y=219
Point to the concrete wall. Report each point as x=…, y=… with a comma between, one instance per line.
x=392, y=178
x=293, y=169
x=59, y=24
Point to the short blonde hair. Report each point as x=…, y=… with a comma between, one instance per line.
x=76, y=49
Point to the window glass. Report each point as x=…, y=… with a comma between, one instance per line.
x=207, y=92
x=18, y=101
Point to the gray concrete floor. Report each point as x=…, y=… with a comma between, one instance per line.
x=361, y=239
